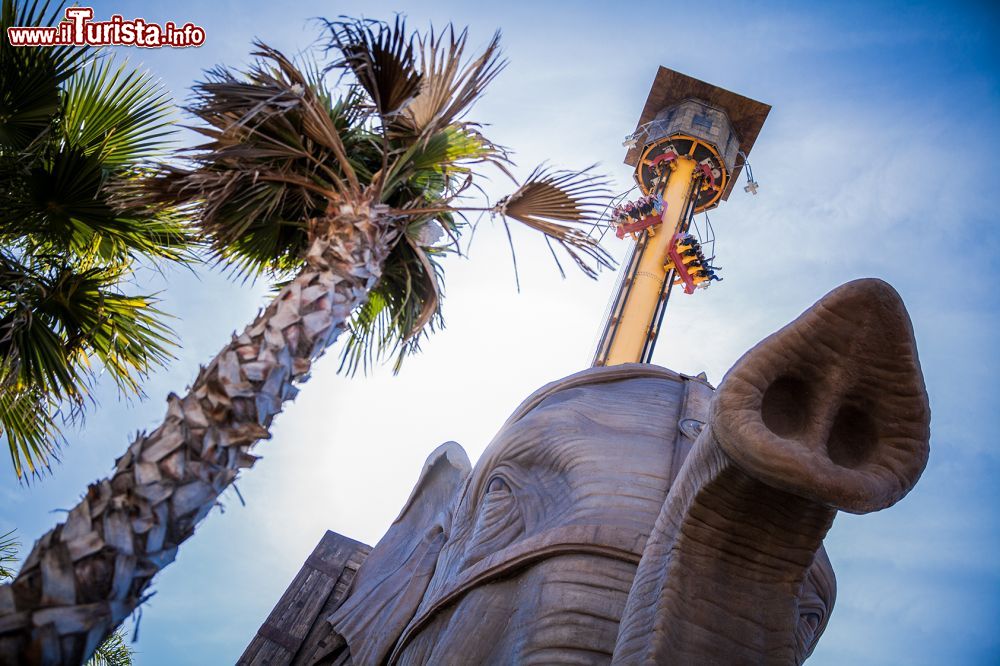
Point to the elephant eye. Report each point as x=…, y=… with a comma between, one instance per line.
x=497, y=485
x=498, y=521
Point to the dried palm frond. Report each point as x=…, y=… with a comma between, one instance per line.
x=274, y=110
x=450, y=87
x=567, y=196
x=381, y=59
x=280, y=149
x=317, y=121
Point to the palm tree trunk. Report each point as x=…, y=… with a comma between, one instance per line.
x=86, y=575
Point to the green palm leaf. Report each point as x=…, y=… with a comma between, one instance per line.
x=69, y=192
x=54, y=315
x=434, y=168
x=30, y=93
x=117, y=114
x=8, y=555
x=60, y=205
x=76, y=130
x=403, y=307
x=28, y=424
x=114, y=651
x=56, y=320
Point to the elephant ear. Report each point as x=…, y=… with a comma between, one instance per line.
x=819, y=592
x=391, y=583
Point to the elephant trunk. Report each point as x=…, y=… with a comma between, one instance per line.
x=829, y=413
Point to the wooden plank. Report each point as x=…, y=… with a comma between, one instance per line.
x=324, y=578
x=321, y=644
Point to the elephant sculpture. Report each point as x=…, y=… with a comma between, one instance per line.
x=630, y=514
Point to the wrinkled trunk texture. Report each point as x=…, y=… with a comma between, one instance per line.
x=828, y=413
x=85, y=576
x=725, y=565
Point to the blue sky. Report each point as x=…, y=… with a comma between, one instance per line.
x=878, y=159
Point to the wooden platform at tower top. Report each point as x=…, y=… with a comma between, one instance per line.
x=671, y=87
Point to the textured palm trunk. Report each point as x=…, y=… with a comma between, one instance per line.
x=86, y=575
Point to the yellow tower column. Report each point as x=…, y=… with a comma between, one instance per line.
x=636, y=315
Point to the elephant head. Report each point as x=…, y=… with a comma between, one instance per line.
x=631, y=515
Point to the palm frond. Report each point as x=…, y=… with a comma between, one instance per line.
x=317, y=121
x=430, y=167
x=33, y=354
x=114, y=651
x=56, y=186
x=279, y=148
x=8, y=555
x=30, y=94
x=449, y=87
x=54, y=315
x=67, y=202
x=403, y=307
x=118, y=114
x=75, y=130
x=28, y=423
x=548, y=198
x=381, y=57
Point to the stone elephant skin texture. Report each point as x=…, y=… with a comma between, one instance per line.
x=628, y=515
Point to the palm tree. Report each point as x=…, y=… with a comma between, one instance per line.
x=74, y=127
x=334, y=197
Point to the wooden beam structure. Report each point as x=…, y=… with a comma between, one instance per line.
x=296, y=631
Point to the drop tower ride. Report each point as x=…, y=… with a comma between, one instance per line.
x=688, y=149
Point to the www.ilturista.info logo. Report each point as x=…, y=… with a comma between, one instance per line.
x=79, y=30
